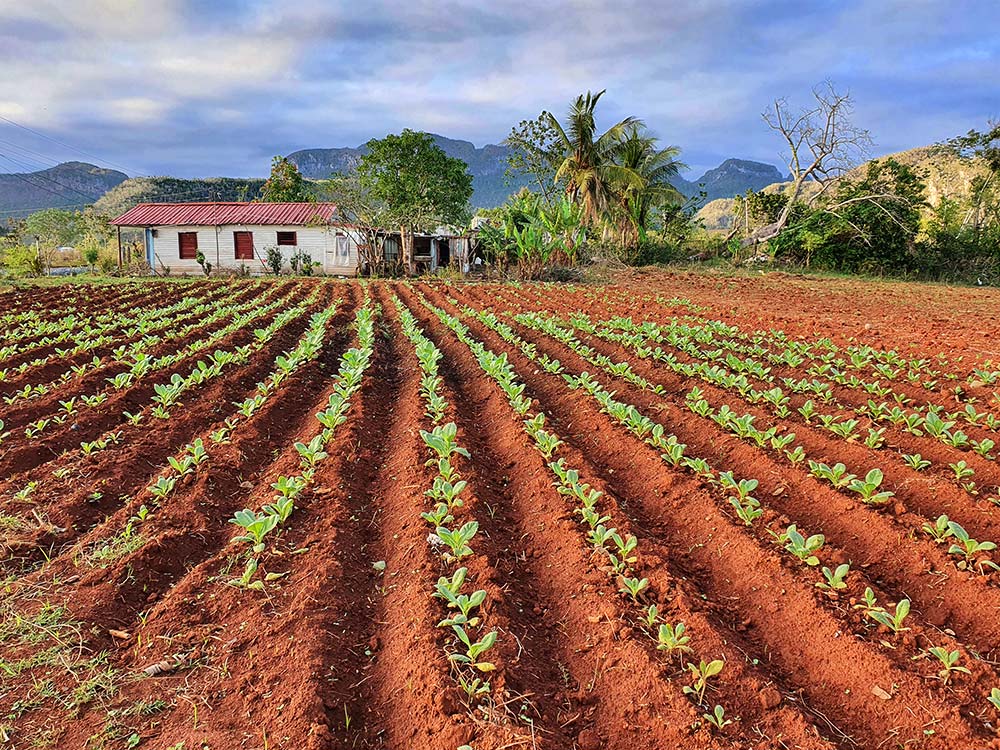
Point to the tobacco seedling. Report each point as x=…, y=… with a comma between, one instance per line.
x=895, y=621
x=835, y=578
x=868, y=488
x=473, y=650
x=672, y=638
x=439, y=516
x=994, y=698
x=800, y=546
x=940, y=530
x=312, y=453
x=914, y=461
x=717, y=718
x=969, y=548
x=962, y=470
x=281, y=508
x=700, y=676
x=458, y=541
x=473, y=689
x=163, y=487
x=464, y=604
x=949, y=662
x=633, y=586
x=256, y=525
x=442, y=441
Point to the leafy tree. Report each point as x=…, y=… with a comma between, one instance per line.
x=52, y=228
x=417, y=184
x=285, y=185
x=869, y=225
x=532, y=145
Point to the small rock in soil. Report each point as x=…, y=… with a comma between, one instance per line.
x=769, y=698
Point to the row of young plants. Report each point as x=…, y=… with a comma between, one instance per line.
x=826, y=371
x=619, y=553
x=971, y=553
x=802, y=547
x=186, y=464
x=452, y=531
x=34, y=332
x=255, y=526
x=777, y=347
x=144, y=365
x=147, y=325
x=167, y=395
x=847, y=427
x=81, y=333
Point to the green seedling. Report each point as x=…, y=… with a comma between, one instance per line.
x=800, y=546
x=672, y=639
x=474, y=649
x=700, y=675
x=717, y=718
x=834, y=579
x=256, y=526
x=949, y=662
x=869, y=488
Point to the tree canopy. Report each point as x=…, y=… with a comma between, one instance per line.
x=419, y=185
x=285, y=185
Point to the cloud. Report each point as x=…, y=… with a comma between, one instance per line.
x=216, y=88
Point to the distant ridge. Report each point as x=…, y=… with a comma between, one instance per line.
x=75, y=184
x=71, y=184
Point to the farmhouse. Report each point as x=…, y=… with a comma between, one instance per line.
x=240, y=236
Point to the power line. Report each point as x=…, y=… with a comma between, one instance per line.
x=39, y=176
x=136, y=173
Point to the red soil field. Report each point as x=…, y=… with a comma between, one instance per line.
x=622, y=458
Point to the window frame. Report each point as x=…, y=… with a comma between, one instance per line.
x=282, y=239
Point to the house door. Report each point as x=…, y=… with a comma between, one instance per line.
x=244, y=245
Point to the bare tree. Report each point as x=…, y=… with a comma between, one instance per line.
x=822, y=144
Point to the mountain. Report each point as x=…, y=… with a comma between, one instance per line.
x=71, y=184
x=734, y=177
x=944, y=174
x=487, y=165
x=135, y=190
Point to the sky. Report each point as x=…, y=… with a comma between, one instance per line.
x=195, y=89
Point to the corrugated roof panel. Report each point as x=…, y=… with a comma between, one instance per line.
x=219, y=214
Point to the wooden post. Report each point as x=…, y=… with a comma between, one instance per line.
x=120, y=259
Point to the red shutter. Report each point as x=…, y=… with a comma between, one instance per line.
x=288, y=238
x=188, y=245
x=244, y=245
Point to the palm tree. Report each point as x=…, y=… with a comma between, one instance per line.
x=587, y=162
x=647, y=187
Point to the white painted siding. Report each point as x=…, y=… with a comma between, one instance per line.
x=219, y=246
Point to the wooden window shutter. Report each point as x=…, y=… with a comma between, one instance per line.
x=244, y=245
x=188, y=245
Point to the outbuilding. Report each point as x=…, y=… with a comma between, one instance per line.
x=244, y=236
x=240, y=236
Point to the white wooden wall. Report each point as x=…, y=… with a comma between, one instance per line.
x=218, y=245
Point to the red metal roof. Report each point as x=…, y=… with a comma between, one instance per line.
x=218, y=214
